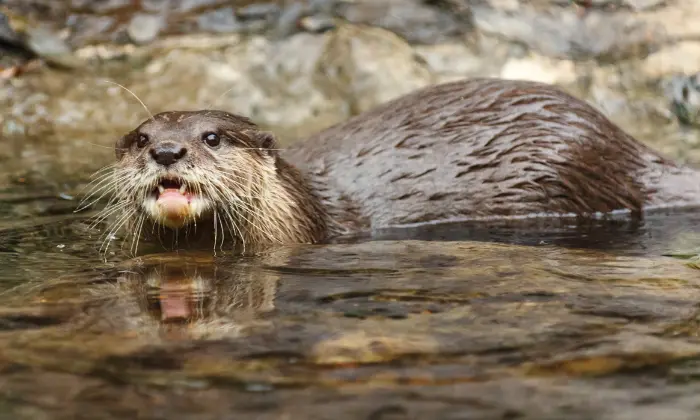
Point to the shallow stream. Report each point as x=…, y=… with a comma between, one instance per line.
x=536, y=322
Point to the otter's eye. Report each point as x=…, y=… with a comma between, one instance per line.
x=142, y=140
x=211, y=139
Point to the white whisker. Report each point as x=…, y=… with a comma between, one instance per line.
x=134, y=95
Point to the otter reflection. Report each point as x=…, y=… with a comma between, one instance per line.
x=180, y=296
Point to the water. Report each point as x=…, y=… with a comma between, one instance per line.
x=540, y=322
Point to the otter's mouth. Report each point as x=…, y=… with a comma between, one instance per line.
x=172, y=203
x=173, y=188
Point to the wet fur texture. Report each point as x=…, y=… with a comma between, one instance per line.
x=480, y=148
x=485, y=148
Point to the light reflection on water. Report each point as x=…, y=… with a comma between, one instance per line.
x=450, y=309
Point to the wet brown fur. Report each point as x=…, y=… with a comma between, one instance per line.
x=456, y=151
x=481, y=148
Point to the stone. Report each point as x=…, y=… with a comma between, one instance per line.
x=679, y=21
x=682, y=57
x=540, y=69
x=316, y=24
x=99, y=6
x=371, y=65
x=455, y=60
x=416, y=21
x=219, y=21
x=563, y=34
x=144, y=28
x=644, y=4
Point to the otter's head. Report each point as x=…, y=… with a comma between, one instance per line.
x=183, y=169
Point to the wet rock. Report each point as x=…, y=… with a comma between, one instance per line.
x=599, y=33
x=144, y=28
x=455, y=60
x=644, y=4
x=35, y=39
x=370, y=66
x=317, y=24
x=221, y=20
x=91, y=29
x=677, y=20
x=155, y=6
x=188, y=6
x=541, y=69
x=7, y=33
x=46, y=44
x=14, y=53
x=681, y=57
x=617, y=4
x=258, y=11
x=563, y=34
x=99, y=6
x=333, y=75
x=288, y=22
x=416, y=21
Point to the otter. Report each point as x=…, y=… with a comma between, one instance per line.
x=465, y=150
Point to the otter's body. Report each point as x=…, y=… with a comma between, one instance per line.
x=472, y=149
x=487, y=147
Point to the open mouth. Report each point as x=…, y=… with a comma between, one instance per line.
x=170, y=187
x=174, y=203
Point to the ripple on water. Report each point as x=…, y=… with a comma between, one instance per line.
x=592, y=313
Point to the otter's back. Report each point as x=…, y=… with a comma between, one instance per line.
x=483, y=147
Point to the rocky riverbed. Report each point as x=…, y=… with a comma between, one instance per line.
x=588, y=322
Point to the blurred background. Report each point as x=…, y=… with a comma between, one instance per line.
x=296, y=67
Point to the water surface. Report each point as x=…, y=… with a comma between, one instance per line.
x=550, y=321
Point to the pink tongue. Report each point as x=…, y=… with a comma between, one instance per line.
x=174, y=306
x=173, y=203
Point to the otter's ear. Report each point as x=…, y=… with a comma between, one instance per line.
x=267, y=141
x=122, y=146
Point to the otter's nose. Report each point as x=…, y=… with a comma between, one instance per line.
x=167, y=153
